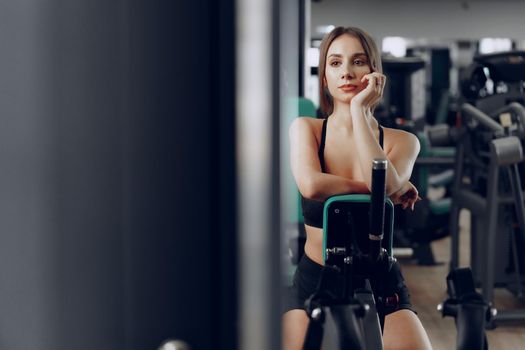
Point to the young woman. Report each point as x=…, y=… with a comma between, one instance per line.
x=334, y=156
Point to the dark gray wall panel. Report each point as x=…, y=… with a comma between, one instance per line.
x=117, y=213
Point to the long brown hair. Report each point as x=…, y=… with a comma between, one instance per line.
x=371, y=51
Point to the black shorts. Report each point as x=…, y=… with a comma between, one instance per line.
x=308, y=273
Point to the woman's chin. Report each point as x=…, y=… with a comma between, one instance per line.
x=346, y=98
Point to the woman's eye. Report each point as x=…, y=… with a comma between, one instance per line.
x=359, y=62
x=334, y=63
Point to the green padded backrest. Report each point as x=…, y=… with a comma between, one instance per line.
x=306, y=109
x=358, y=221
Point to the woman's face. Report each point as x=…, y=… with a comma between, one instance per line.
x=346, y=64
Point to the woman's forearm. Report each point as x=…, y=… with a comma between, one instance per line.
x=369, y=149
x=322, y=185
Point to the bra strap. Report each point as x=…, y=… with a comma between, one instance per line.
x=380, y=136
x=321, y=146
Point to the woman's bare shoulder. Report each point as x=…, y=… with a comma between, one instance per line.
x=311, y=122
x=301, y=125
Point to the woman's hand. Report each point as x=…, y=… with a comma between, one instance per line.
x=407, y=196
x=373, y=92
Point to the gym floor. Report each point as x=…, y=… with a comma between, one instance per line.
x=427, y=286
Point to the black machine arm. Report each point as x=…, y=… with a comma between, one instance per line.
x=469, y=309
x=482, y=118
x=377, y=207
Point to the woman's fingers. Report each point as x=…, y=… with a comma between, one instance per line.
x=374, y=86
x=409, y=197
x=377, y=79
x=409, y=202
x=379, y=83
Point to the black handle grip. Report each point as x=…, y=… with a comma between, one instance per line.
x=377, y=206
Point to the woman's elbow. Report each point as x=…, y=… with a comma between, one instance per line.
x=308, y=189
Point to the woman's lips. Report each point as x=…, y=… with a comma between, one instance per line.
x=348, y=87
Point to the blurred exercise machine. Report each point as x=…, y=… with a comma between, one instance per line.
x=405, y=107
x=489, y=174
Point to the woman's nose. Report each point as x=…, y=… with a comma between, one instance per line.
x=346, y=75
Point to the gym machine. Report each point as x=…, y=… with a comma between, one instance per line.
x=488, y=174
x=404, y=106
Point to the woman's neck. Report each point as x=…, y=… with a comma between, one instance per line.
x=342, y=117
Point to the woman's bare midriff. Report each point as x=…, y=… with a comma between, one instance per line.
x=313, y=247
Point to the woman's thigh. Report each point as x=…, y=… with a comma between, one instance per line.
x=295, y=323
x=403, y=330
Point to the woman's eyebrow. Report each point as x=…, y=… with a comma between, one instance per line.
x=336, y=55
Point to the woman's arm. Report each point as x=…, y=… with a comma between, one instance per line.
x=306, y=168
x=401, y=156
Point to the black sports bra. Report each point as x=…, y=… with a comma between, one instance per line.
x=312, y=209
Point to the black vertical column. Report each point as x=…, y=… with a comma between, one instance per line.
x=301, y=38
x=223, y=198
x=179, y=174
